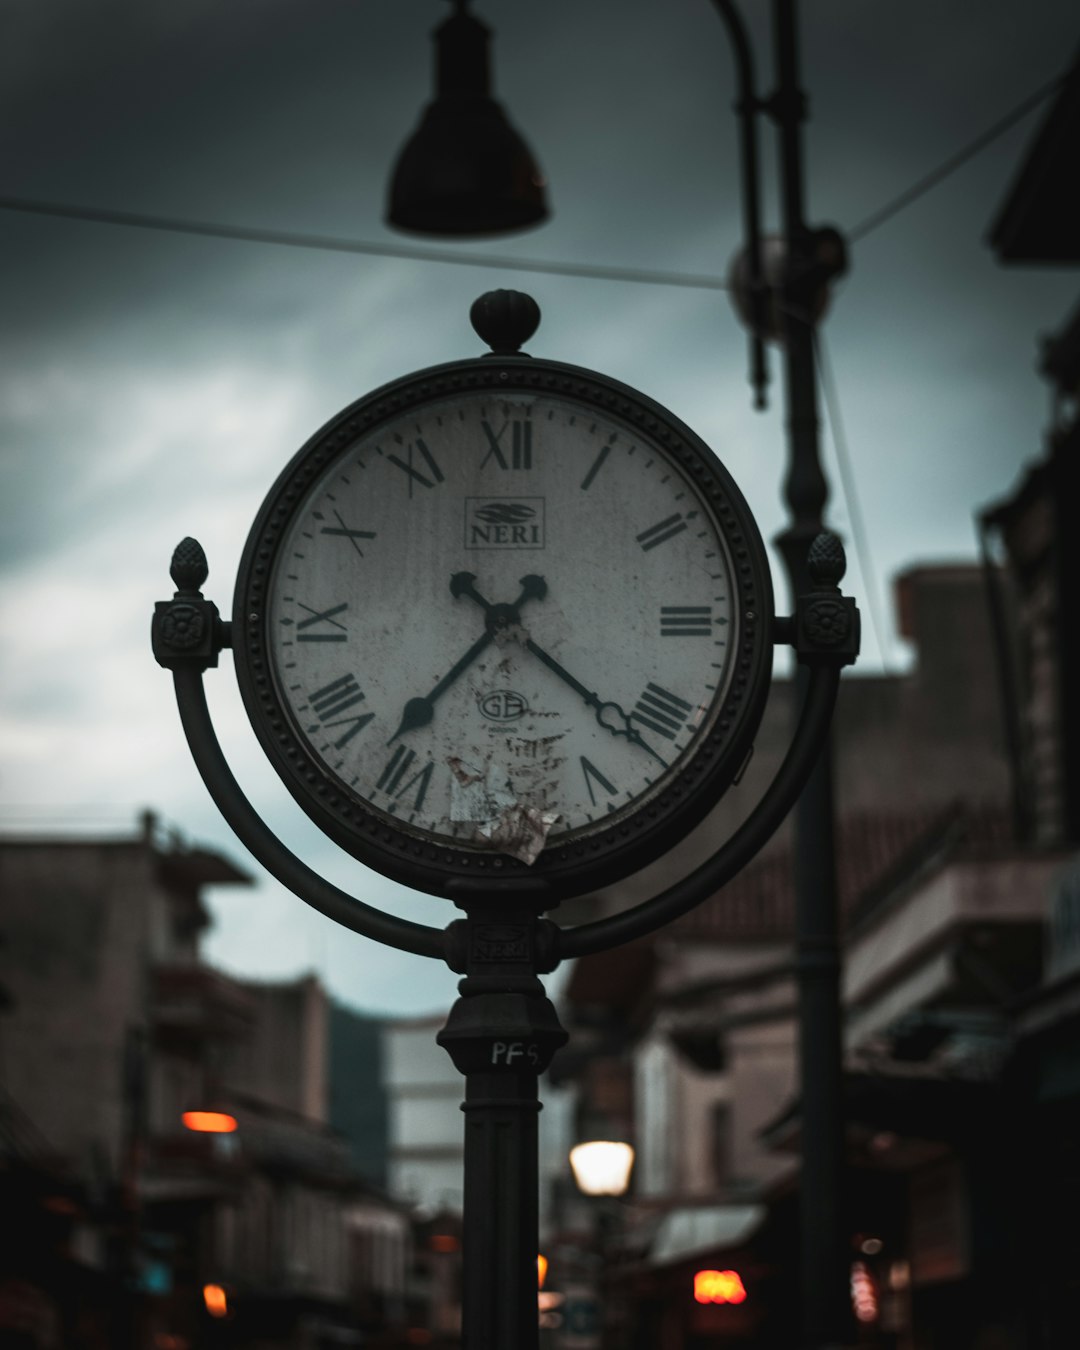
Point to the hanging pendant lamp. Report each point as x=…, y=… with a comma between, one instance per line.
x=465, y=170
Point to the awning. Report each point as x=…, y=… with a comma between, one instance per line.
x=155, y=1190
x=682, y=1233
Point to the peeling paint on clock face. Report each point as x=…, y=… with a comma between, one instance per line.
x=503, y=622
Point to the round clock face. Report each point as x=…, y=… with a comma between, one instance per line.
x=506, y=625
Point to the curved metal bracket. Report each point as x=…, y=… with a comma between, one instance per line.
x=824, y=631
x=187, y=636
x=564, y=943
x=266, y=848
x=747, y=840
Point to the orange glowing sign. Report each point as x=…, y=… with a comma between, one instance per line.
x=719, y=1286
x=217, y=1305
x=209, y=1122
x=863, y=1293
x=541, y=1269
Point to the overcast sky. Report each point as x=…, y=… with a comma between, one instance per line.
x=152, y=384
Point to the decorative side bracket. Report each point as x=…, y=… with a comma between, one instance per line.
x=188, y=634
x=827, y=624
x=187, y=631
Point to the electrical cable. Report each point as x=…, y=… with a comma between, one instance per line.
x=954, y=162
x=327, y=244
x=640, y=276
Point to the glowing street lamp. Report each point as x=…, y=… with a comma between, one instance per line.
x=209, y=1122
x=602, y=1166
x=216, y=1300
x=719, y=1286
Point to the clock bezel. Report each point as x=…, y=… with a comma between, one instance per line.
x=578, y=865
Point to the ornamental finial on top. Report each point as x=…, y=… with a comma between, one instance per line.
x=505, y=320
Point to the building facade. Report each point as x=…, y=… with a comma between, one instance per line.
x=687, y=1040
x=157, y=1234
x=958, y=823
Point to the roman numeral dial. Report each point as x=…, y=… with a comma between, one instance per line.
x=500, y=621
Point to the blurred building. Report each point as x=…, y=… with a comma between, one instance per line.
x=685, y=1043
x=358, y=1100
x=147, y=1232
x=426, y=1159
x=958, y=821
x=426, y=1131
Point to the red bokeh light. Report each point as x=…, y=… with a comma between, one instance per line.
x=209, y=1122
x=719, y=1286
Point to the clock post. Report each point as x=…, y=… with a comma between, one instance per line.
x=465, y=714
x=502, y=1033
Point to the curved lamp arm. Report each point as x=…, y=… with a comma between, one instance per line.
x=266, y=848
x=747, y=840
x=747, y=106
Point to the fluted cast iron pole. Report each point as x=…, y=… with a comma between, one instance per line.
x=826, y=1317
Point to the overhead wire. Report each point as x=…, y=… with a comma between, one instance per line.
x=639, y=276
x=827, y=378
x=325, y=243
x=949, y=166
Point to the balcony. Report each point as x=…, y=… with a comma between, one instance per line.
x=193, y=1004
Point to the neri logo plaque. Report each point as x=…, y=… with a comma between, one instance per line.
x=504, y=522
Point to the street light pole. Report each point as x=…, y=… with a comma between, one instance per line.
x=787, y=308
x=826, y=1316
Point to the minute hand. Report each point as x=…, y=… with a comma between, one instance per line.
x=619, y=726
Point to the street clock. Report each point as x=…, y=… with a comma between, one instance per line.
x=505, y=617
x=504, y=627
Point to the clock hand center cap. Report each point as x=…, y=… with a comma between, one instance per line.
x=503, y=622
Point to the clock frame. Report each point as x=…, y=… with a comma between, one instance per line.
x=581, y=862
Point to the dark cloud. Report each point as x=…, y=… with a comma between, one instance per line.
x=152, y=385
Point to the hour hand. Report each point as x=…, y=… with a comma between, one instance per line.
x=418, y=712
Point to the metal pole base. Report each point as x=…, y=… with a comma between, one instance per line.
x=501, y=1034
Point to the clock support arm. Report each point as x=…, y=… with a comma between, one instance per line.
x=740, y=849
x=825, y=634
x=501, y=1033
x=187, y=637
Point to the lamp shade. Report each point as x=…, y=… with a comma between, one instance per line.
x=602, y=1166
x=465, y=170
